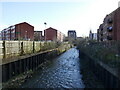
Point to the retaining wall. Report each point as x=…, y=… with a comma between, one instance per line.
x=107, y=75
x=9, y=49
x=25, y=63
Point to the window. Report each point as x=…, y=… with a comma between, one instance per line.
x=109, y=29
x=13, y=27
x=13, y=31
x=110, y=21
x=109, y=37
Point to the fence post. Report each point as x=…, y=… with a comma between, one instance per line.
x=4, y=49
x=40, y=46
x=22, y=51
x=33, y=46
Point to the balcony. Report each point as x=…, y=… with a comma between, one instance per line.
x=109, y=29
x=110, y=21
x=101, y=34
x=109, y=37
x=101, y=29
x=101, y=39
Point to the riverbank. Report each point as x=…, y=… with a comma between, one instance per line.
x=89, y=79
x=18, y=81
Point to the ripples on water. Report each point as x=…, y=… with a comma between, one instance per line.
x=62, y=72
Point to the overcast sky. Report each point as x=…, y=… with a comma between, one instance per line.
x=63, y=15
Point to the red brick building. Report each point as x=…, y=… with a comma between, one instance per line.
x=100, y=33
x=110, y=29
x=116, y=23
x=52, y=34
x=21, y=31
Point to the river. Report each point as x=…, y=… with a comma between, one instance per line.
x=61, y=72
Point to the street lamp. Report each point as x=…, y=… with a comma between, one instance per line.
x=45, y=24
x=45, y=28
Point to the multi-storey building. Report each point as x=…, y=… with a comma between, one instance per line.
x=62, y=37
x=0, y=36
x=72, y=34
x=100, y=33
x=52, y=34
x=92, y=36
x=110, y=29
x=38, y=36
x=21, y=31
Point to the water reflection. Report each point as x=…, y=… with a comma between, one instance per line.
x=62, y=72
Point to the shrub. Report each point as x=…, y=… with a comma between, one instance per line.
x=104, y=51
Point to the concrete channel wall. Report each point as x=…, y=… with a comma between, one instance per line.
x=107, y=75
x=9, y=49
x=30, y=62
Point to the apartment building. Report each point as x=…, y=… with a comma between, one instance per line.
x=72, y=34
x=52, y=34
x=0, y=36
x=21, y=31
x=110, y=28
x=92, y=36
x=38, y=36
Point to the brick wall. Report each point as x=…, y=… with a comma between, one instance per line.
x=24, y=31
x=50, y=34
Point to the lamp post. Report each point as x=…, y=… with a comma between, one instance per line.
x=45, y=28
x=45, y=24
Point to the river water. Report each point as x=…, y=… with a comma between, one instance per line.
x=61, y=72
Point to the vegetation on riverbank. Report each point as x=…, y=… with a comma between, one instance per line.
x=17, y=81
x=107, y=52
